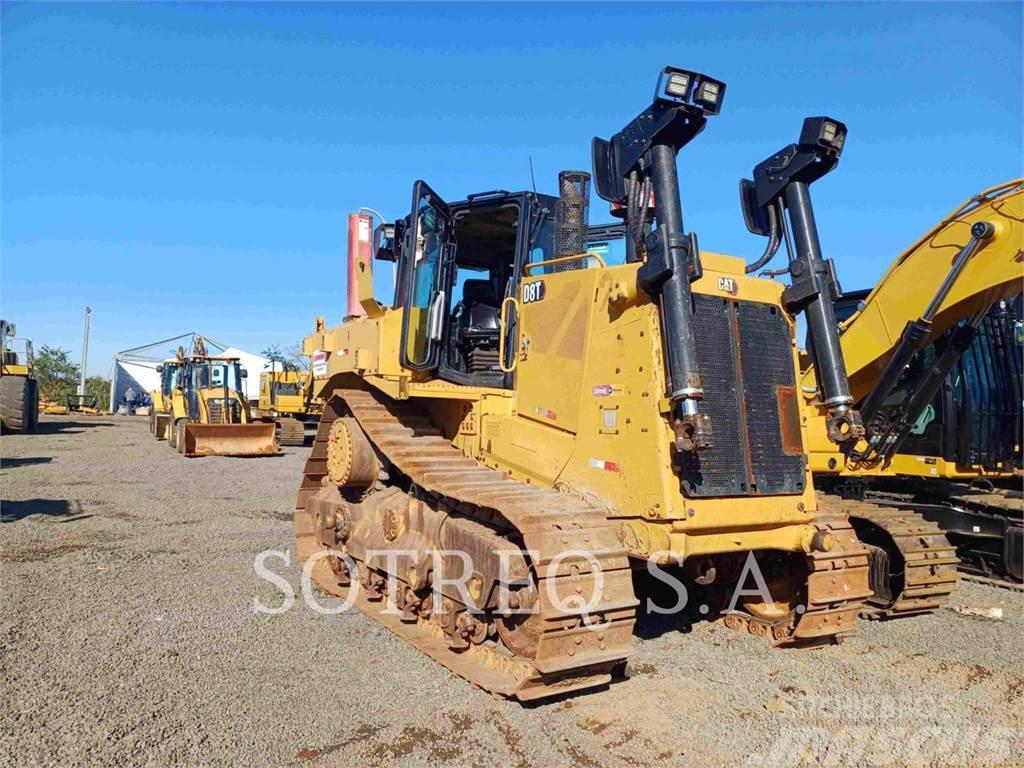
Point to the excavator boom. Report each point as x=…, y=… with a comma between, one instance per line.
x=993, y=272
x=931, y=358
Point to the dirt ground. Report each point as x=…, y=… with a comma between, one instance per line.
x=128, y=635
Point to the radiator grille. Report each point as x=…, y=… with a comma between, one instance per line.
x=216, y=408
x=767, y=356
x=744, y=355
x=720, y=470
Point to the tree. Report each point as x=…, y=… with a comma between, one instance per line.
x=278, y=360
x=98, y=387
x=57, y=375
x=299, y=361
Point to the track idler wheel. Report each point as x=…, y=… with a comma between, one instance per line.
x=351, y=460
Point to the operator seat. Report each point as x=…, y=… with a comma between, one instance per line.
x=479, y=327
x=480, y=309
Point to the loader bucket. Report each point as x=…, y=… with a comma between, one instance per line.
x=230, y=439
x=163, y=421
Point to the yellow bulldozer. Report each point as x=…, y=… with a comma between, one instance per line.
x=933, y=354
x=160, y=412
x=208, y=413
x=19, y=390
x=524, y=424
x=286, y=398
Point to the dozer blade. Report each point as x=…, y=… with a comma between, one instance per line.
x=230, y=439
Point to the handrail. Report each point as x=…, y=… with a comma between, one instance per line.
x=562, y=259
x=503, y=322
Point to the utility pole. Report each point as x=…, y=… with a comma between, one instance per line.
x=85, y=353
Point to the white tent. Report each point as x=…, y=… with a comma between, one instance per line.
x=136, y=368
x=252, y=364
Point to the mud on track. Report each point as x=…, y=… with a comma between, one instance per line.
x=127, y=635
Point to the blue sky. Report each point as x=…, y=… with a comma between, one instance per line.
x=184, y=167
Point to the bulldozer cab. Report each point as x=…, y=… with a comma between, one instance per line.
x=459, y=264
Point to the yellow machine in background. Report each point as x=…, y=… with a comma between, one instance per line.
x=159, y=414
x=209, y=413
x=286, y=397
x=19, y=390
x=934, y=447
x=523, y=397
x=52, y=408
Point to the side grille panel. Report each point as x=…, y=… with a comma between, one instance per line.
x=768, y=366
x=719, y=471
x=216, y=408
x=746, y=367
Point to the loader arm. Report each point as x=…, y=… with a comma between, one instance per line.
x=872, y=335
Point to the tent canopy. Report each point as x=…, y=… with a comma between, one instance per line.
x=135, y=368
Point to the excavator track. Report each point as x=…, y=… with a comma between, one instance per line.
x=559, y=649
x=984, y=525
x=291, y=431
x=913, y=565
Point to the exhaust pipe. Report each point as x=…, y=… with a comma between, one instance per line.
x=571, y=217
x=360, y=236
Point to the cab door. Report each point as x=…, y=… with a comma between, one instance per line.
x=428, y=248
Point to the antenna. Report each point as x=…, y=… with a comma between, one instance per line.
x=532, y=179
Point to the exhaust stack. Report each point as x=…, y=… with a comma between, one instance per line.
x=360, y=237
x=571, y=216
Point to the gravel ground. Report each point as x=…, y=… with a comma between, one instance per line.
x=128, y=636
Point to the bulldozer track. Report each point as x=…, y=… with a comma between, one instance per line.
x=837, y=588
x=930, y=563
x=576, y=649
x=988, y=581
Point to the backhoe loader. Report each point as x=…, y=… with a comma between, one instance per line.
x=160, y=412
x=935, y=367
x=286, y=399
x=524, y=424
x=209, y=413
x=19, y=390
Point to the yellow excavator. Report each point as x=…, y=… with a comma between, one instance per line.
x=19, y=390
x=934, y=361
x=286, y=398
x=160, y=413
x=209, y=412
x=525, y=424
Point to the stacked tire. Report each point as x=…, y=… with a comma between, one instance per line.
x=19, y=404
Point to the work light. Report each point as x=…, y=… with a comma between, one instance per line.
x=708, y=93
x=678, y=85
x=823, y=132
